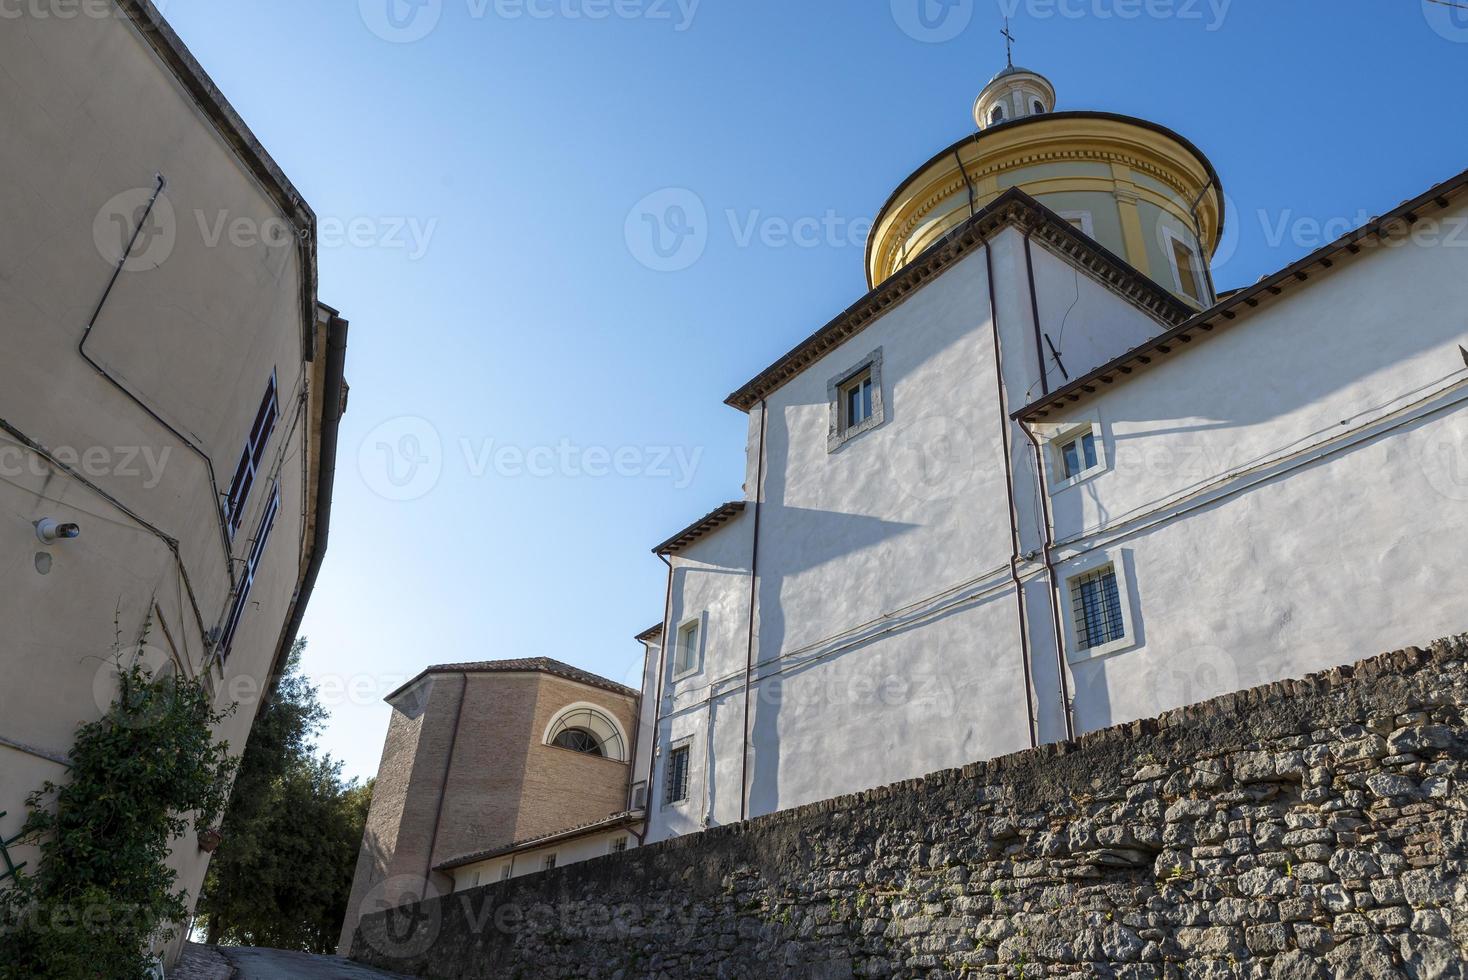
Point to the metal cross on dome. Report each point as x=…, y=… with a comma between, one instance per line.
x=1008, y=42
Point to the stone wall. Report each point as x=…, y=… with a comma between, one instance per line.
x=1305, y=829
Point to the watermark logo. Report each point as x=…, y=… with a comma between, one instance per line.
x=413, y=916
x=1448, y=18
x=668, y=230
x=106, y=686
x=933, y=458
x=933, y=21
x=126, y=214
x=401, y=459
x=401, y=21
x=1443, y=458
x=1210, y=13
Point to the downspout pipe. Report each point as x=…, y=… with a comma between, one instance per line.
x=1019, y=589
x=331, y=401
x=636, y=735
x=1035, y=315
x=1203, y=259
x=1044, y=494
x=81, y=348
x=1052, y=579
x=759, y=496
x=657, y=705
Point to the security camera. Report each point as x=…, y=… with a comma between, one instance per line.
x=51, y=531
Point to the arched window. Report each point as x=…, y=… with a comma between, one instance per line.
x=997, y=115
x=587, y=729
x=1039, y=107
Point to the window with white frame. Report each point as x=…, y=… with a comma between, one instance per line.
x=549, y=863
x=685, y=653
x=618, y=845
x=856, y=401
x=1187, y=268
x=1081, y=221
x=675, y=783
x=252, y=566
x=253, y=455
x=1075, y=453
x=1096, y=609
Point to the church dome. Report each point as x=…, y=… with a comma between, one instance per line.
x=1013, y=94
x=1140, y=190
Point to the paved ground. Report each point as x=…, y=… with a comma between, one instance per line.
x=207, y=963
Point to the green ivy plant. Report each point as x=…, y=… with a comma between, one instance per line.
x=102, y=896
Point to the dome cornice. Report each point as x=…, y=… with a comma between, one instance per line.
x=1138, y=146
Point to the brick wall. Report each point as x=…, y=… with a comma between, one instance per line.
x=1305, y=829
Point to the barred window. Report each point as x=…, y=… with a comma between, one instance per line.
x=1096, y=608
x=505, y=872
x=676, y=789
x=549, y=863
x=619, y=844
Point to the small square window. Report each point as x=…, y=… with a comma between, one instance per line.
x=619, y=844
x=1074, y=452
x=1079, y=455
x=856, y=401
x=675, y=788
x=549, y=863
x=685, y=655
x=1096, y=608
x=505, y=872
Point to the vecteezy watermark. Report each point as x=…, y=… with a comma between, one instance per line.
x=669, y=230
x=406, y=21
x=72, y=10
x=1448, y=18
x=1306, y=231
x=1211, y=14
x=403, y=459
x=408, y=234
x=935, y=458
x=126, y=225
x=933, y=21
x=411, y=916
x=126, y=220
x=124, y=462
x=1443, y=458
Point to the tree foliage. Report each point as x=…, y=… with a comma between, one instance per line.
x=283, y=874
x=102, y=893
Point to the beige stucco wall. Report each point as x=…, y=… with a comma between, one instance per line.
x=194, y=329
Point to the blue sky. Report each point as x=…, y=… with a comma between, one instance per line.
x=533, y=407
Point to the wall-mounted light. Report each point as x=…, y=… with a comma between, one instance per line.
x=50, y=531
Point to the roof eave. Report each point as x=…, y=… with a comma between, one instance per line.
x=1244, y=301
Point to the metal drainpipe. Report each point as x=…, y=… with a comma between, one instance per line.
x=1045, y=505
x=448, y=771
x=1019, y=590
x=1060, y=666
x=81, y=348
x=1035, y=314
x=657, y=705
x=1203, y=259
x=759, y=496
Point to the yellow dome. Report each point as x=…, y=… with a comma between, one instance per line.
x=1140, y=190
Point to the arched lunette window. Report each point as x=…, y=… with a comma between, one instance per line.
x=587, y=729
